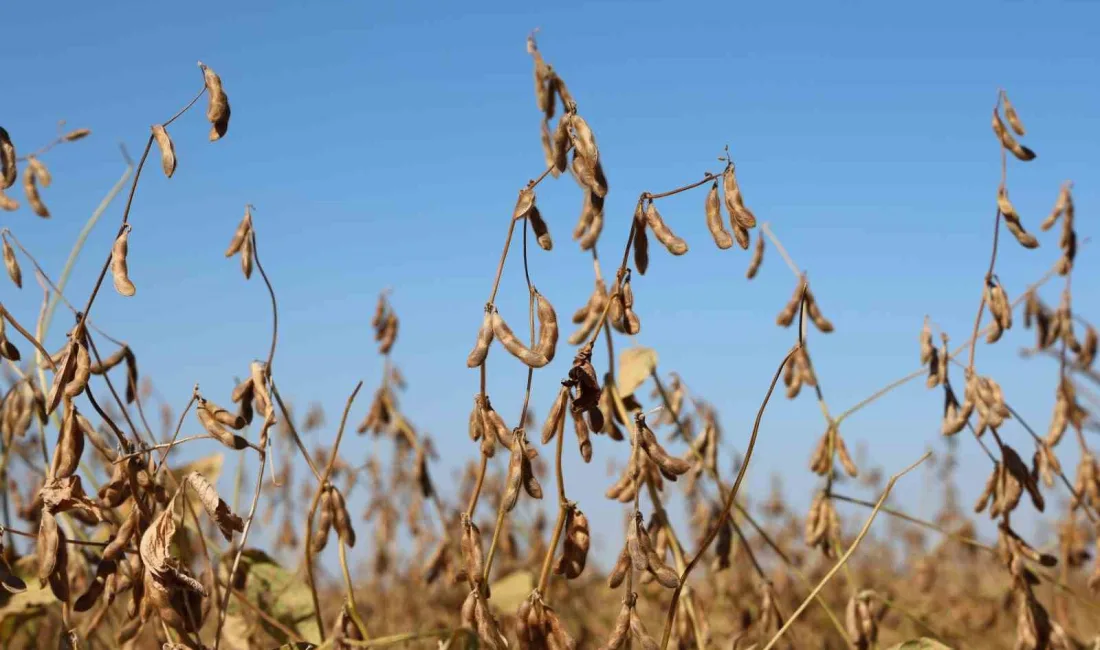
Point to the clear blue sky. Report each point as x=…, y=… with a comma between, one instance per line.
x=383, y=145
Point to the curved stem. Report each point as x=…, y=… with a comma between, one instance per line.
x=847, y=554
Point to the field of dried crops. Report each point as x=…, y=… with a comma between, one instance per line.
x=108, y=541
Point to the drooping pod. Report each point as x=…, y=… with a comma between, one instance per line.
x=548, y=328
x=1012, y=220
x=555, y=419
x=592, y=218
x=641, y=241
x=8, y=169
x=721, y=236
x=757, y=258
x=1011, y=115
x=167, y=149
x=217, y=109
x=1008, y=142
x=484, y=340
x=548, y=336
x=585, y=140
x=740, y=216
x=30, y=189
x=562, y=143
x=662, y=232
x=119, y=269
x=12, y=265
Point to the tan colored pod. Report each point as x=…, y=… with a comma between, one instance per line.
x=1008, y=142
x=484, y=340
x=713, y=207
x=592, y=215
x=167, y=150
x=243, y=232
x=562, y=143
x=11, y=264
x=740, y=216
x=217, y=108
x=30, y=189
x=548, y=328
x=119, y=269
x=662, y=232
x=39, y=170
x=757, y=258
x=1012, y=116
x=511, y=342
x=585, y=140
x=7, y=203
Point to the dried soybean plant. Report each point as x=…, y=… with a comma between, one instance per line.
x=788, y=578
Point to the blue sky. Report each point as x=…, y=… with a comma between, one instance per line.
x=383, y=145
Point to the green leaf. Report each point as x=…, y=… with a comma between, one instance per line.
x=635, y=366
x=511, y=590
x=923, y=643
x=277, y=592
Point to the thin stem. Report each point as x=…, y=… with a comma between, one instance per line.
x=766, y=229
x=4, y=313
x=985, y=280
x=224, y=609
x=708, y=177
x=500, y=264
x=729, y=500
x=563, y=509
x=274, y=303
x=354, y=609
x=293, y=430
x=477, y=486
x=844, y=558
x=322, y=485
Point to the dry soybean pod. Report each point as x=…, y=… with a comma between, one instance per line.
x=511, y=342
x=8, y=169
x=119, y=270
x=217, y=110
x=757, y=259
x=12, y=265
x=484, y=340
x=721, y=236
x=167, y=149
x=664, y=234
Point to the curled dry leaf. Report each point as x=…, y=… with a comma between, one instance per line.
x=216, y=508
x=119, y=270
x=167, y=149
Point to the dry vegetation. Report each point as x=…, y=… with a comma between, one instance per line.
x=125, y=548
